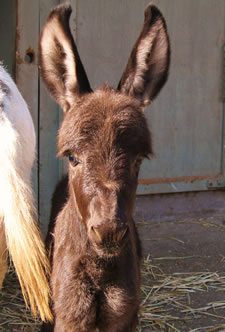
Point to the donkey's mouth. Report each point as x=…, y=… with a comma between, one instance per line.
x=111, y=246
x=109, y=251
x=108, y=237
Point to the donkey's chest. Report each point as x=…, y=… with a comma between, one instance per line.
x=97, y=308
x=93, y=296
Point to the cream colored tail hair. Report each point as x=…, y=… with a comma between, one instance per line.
x=23, y=238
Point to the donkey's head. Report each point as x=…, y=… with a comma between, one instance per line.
x=104, y=133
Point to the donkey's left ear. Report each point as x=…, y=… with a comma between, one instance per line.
x=148, y=65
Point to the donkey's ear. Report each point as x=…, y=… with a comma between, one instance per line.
x=148, y=65
x=60, y=63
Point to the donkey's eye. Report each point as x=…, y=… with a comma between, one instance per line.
x=137, y=165
x=138, y=162
x=73, y=160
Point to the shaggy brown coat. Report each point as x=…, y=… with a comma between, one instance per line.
x=95, y=246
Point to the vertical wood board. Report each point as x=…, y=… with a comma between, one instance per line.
x=27, y=72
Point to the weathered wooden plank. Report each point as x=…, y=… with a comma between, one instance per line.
x=50, y=168
x=27, y=60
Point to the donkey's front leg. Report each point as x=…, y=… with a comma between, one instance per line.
x=124, y=327
x=61, y=327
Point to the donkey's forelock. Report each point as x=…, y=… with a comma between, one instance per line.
x=105, y=120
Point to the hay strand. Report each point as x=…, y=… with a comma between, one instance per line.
x=167, y=298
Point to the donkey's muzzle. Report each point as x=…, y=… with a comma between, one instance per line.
x=107, y=237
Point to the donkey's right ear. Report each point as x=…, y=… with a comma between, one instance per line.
x=61, y=67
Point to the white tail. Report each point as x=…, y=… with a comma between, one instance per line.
x=17, y=209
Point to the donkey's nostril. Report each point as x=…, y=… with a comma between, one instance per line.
x=121, y=235
x=96, y=235
x=107, y=236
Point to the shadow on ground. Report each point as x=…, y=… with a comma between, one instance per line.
x=183, y=236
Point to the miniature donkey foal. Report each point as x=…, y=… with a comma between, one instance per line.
x=96, y=251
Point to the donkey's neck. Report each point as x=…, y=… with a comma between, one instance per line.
x=76, y=228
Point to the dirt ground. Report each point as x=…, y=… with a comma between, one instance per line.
x=185, y=234
x=183, y=289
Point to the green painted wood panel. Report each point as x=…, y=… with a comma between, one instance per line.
x=187, y=119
